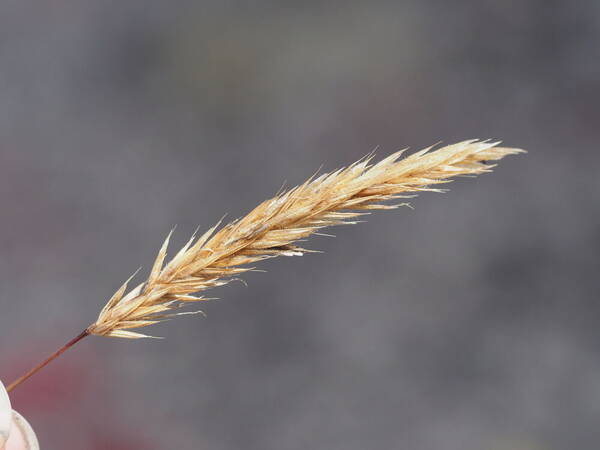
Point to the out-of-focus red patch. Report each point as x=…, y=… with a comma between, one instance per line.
x=60, y=395
x=60, y=384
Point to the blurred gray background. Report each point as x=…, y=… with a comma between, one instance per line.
x=468, y=323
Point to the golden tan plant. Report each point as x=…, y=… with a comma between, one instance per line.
x=275, y=227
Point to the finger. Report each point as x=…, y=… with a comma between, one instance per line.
x=15, y=432
x=5, y=416
x=21, y=436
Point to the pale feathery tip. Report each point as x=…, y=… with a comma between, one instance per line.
x=272, y=229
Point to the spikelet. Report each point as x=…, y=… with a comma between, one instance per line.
x=275, y=227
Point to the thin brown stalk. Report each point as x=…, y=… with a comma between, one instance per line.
x=47, y=361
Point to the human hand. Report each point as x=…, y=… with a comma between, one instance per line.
x=15, y=432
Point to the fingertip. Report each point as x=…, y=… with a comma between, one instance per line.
x=22, y=436
x=5, y=415
x=15, y=431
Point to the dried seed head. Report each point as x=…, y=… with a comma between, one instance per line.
x=275, y=227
